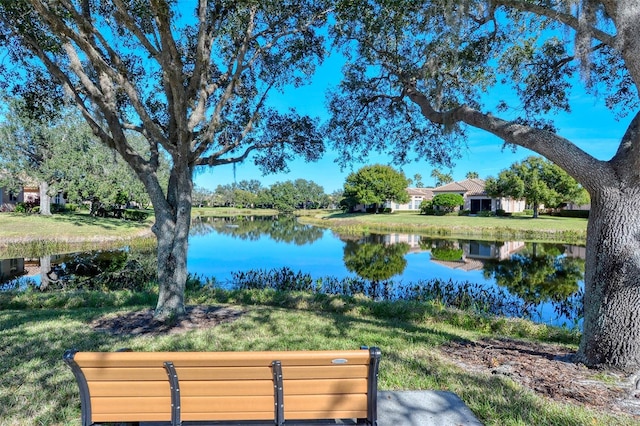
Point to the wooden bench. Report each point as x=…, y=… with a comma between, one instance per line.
x=281, y=388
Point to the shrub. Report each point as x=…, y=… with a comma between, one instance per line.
x=501, y=212
x=426, y=207
x=446, y=254
x=485, y=213
x=448, y=202
x=464, y=212
x=528, y=212
x=21, y=208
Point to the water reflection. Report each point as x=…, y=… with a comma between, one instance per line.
x=539, y=273
x=375, y=261
x=384, y=266
x=283, y=228
x=100, y=269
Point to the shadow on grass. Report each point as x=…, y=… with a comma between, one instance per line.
x=37, y=388
x=107, y=223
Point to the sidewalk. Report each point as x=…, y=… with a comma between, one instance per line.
x=423, y=408
x=415, y=408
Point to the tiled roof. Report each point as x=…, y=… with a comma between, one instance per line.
x=421, y=192
x=468, y=186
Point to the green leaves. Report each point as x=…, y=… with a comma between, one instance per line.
x=375, y=185
x=538, y=181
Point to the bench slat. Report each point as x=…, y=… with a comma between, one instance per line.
x=131, y=417
x=220, y=404
x=130, y=389
x=324, y=372
x=155, y=374
x=227, y=388
x=325, y=386
x=131, y=405
x=223, y=359
x=229, y=416
x=328, y=403
x=333, y=414
x=264, y=373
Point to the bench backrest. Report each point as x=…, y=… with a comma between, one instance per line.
x=192, y=386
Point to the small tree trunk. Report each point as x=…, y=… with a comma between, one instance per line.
x=45, y=199
x=45, y=271
x=611, y=331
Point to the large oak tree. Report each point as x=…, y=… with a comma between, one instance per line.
x=192, y=78
x=415, y=80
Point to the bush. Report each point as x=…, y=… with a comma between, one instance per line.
x=485, y=213
x=447, y=254
x=426, y=207
x=501, y=212
x=464, y=212
x=21, y=208
x=57, y=208
x=448, y=202
x=528, y=212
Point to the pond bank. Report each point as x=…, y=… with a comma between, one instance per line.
x=544, y=228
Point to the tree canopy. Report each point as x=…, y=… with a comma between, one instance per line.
x=191, y=82
x=420, y=74
x=536, y=180
x=447, y=202
x=376, y=185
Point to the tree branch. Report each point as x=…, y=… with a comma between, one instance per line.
x=583, y=167
x=565, y=18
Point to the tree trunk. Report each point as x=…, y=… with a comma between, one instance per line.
x=611, y=331
x=173, y=221
x=45, y=199
x=45, y=272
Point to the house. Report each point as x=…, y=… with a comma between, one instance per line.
x=29, y=194
x=472, y=191
x=416, y=197
x=9, y=199
x=476, y=199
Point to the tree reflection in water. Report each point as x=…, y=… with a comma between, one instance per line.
x=282, y=228
x=540, y=273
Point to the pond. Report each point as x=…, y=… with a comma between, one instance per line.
x=542, y=281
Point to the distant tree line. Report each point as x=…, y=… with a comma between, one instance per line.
x=283, y=196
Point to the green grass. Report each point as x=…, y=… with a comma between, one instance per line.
x=34, y=234
x=547, y=228
x=36, y=388
x=68, y=226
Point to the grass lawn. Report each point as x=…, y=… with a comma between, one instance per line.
x=68, y=226
x=516, y=227
x=37, y=388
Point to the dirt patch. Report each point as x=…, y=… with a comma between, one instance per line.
x=549, y=371
x=143, y=322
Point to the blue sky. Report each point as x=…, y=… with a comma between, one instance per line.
x=590, y=125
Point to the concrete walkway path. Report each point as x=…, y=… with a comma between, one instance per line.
x=423, y=408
